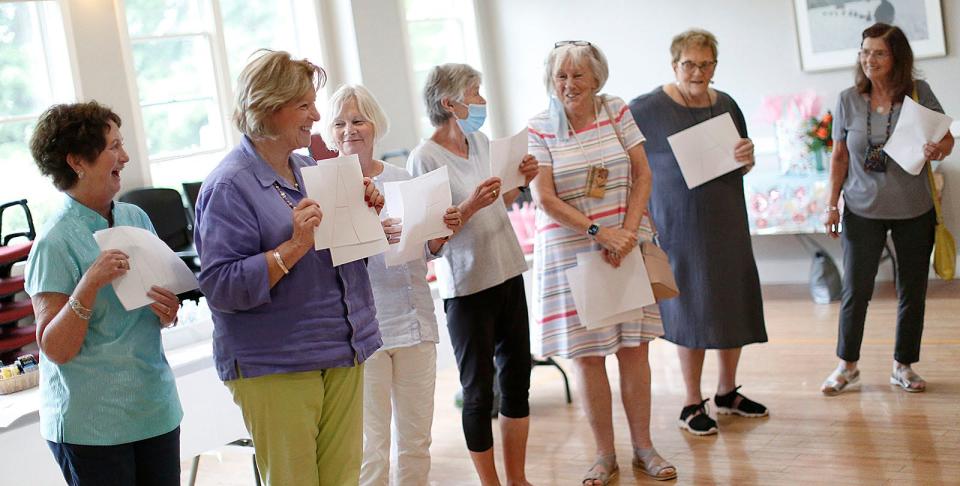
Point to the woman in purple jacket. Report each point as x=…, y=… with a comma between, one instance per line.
x=291, y=331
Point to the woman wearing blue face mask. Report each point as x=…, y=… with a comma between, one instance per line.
x=479, y=271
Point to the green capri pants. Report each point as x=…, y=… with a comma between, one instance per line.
x=307, y=427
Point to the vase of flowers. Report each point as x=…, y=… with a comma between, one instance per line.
x=820, y=139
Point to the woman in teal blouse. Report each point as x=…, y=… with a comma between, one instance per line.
x=109, y=407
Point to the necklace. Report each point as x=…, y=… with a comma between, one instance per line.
x=283, y=194
x=596, y=119
x=889, y=121
x=686, y=104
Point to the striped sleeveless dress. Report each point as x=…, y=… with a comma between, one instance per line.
x=556, y=247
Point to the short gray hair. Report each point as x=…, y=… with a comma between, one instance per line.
x=271, y=80
x=447, y=81
x=692, y=38
x=582, y=55
x=366, y=104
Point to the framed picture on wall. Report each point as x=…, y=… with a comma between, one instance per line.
x=829, y=30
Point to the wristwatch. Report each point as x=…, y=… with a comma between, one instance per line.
x=593, y=230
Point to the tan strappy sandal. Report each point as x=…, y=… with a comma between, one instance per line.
x=604, y=469
x=652, y=464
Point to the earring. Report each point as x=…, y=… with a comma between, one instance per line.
x=80, y=174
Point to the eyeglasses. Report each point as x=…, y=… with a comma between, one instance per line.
x=705, y=67
x=578, y=43
x=876, y=54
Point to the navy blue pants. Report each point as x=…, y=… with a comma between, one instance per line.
x=863, y=240
x=149, y=462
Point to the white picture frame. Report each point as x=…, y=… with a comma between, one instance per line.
x=829, y=31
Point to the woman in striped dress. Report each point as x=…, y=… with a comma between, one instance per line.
x=586, y=133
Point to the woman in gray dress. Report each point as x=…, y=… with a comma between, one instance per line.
x=719, y=306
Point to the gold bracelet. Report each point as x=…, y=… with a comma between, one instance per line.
x=276, y=256
x=78, y=309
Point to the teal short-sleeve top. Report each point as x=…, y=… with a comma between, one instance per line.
x=119, y=387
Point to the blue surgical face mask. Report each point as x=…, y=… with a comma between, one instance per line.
x=476, y=115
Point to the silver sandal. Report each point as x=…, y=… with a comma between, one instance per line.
x=840, y=380
x=604, y=469
x=906, y=378
x=653, y=464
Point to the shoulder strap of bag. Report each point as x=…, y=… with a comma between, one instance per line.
x=616, y=129
x=933, y=183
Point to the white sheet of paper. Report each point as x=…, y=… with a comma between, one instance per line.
x=603, y=295
x=916, y=126
x=578, y=296
x=423, y=202
x=152, y=262
x=349, y=253
x=705, y=150
x=505, y=156
x=337, y=186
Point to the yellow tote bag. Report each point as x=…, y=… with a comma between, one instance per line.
x=944, y=246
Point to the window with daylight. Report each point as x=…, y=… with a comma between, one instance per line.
x=186, y=57
x=34, y=74
x=439, y=32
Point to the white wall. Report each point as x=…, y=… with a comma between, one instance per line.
x=758, y=57
x=364, y=43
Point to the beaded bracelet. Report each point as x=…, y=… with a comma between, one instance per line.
x=78, y=309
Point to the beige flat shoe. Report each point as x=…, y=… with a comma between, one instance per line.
x=840, y=380
x=604, y=470
x=906, y=378
x=652, y=464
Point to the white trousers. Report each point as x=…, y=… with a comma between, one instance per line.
x=408, y=376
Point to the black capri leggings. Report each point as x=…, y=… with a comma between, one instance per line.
x=491, y=324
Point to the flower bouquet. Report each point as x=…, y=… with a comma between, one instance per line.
x=820, y=139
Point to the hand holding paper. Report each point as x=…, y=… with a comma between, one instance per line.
x=151, y=262
x=505, y=157
x=916, y=126
x=705, y=151
x=421, y=203
x=605, y=296
x=350, y=228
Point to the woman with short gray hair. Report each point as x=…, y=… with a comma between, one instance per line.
x=479, y=272
x=720, y=305
x=591, y=196
x=401, y=374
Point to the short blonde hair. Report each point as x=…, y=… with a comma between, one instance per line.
x=692, y=38
x=582, y=55
x=446, y=81
x=366, y=104
x=271, y=80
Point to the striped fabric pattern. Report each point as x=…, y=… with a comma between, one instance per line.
x=556, y=247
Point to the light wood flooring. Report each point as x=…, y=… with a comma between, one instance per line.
x=878, y=435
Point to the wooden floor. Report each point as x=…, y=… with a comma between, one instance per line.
x=879, y=435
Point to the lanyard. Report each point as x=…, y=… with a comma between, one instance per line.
x=596, y=118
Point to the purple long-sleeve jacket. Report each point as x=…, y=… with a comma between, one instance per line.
x=316, y=317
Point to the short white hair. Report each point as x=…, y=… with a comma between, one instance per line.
x=367, y=105
x=589, y=56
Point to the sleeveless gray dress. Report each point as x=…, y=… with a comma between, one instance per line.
x=704, y=231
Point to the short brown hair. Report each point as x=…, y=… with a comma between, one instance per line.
x=902, y=73
x=692, y=38
x=70, y=129
x=271, y=80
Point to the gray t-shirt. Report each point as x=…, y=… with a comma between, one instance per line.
x=485, y=253
x=894, y=194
